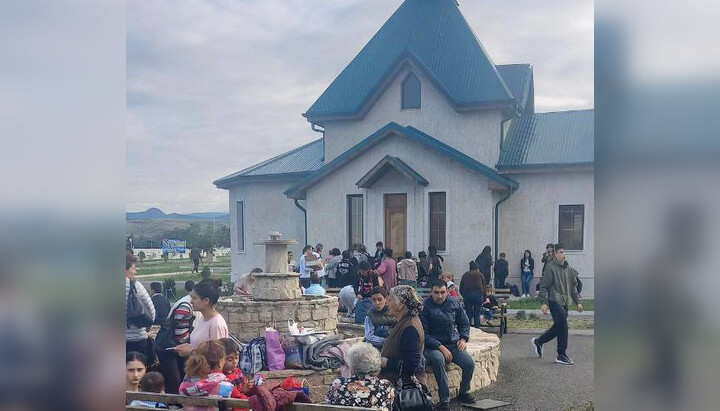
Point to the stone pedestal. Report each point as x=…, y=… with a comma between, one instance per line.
x=276, y=253
x=276, y=287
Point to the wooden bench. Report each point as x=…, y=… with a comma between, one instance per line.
x=222, y=404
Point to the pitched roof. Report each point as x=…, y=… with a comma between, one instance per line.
x=385, y=165
x=297, y=162
x=550, y=139
x=298, y=190
x=434, y=35
x=519, y=79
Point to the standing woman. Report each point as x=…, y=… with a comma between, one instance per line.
x=212, y=326
x=484, y=262
x=136, y=337
x=387, y=270
x=406, y=341
x=527, y=269
x=435, y=266
x=472, y=288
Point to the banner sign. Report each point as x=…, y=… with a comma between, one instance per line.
x=173, y=247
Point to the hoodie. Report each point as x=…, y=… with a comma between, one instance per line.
x=407, y=270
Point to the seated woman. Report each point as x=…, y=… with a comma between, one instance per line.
x=364, y=389
x=406, y=341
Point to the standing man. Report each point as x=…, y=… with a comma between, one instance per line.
x=447, y=331
x=195, y=257
x=501, y=271
x=547, y=256
x=558, y=285
x=305, y=271
x=379, y=253
x=161, y=303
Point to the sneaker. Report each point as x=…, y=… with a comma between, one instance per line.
x=537, y=347
x=564, y=360
x=466, y=398
x=444, y=406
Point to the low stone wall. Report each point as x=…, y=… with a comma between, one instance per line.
x=483, y=347
x=248, y=319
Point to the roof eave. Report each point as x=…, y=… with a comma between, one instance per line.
x=228, y=183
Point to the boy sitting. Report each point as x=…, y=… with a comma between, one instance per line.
x=378, y=320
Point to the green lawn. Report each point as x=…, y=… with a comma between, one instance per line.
x=534, y=304
x=220, y=266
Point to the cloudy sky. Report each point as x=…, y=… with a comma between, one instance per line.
x=214, y=86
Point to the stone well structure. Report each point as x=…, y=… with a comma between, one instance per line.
x=277, y=298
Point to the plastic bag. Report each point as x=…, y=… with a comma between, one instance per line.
x=274, y=350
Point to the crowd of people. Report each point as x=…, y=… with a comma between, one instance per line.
x=193, y=354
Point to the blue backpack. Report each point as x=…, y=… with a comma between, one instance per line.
x=514, y=290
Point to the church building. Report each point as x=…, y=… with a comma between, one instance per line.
x=426, y=141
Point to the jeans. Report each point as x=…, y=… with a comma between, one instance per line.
x=411, y=283
x=436, y=360
x=500, y=281
x=473, y=307
x=559, y=328
x=526, y=278
x=488, y=313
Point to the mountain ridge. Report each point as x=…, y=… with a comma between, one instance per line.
x=157, y=214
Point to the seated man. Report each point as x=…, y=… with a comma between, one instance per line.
x=315, y=287
x=378, y=321
x=447, y=331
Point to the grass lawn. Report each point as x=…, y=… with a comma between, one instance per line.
x=221, y=265
x=534, y=304
x=573, y=323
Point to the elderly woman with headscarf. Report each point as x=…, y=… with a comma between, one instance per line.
x=402, y=353
x=364, y=389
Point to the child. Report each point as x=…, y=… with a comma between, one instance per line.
x=423, y=267
x=378, y=320
x=452, y=288
x=151, y=382
x=204, y=376
x=368, y=280
x=315, y=287
x=490, y=304
x=231, y=370
x=135, y=367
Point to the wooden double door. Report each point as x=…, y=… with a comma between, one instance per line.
x=396, y=223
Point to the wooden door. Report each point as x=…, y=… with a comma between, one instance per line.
x=396, y=223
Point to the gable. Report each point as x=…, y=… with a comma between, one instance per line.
x=435, y=37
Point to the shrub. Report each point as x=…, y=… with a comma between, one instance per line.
x=141, y=256
x=520, y=315
x=205, y=272
x=169, y=285
x=533, y=316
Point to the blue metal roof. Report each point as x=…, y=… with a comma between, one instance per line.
x=434, y=35
x=297, y=162
x=385, y=165
x=519, y=79
x=550, y=139
x=298, y=190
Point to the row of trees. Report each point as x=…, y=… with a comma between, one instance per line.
x=204, y=237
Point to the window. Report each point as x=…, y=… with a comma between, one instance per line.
x=437, y=220
x=411, y=92
x=240, y=226
x=571, y=225
x=355, y=219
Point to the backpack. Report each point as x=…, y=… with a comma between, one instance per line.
x=166, y=337
x=579, y=285
x=514, y=290
x=254, y=356
x=136, y=313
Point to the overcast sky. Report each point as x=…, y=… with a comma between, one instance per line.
x=217, y=86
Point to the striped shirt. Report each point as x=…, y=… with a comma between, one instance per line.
x=133, y=332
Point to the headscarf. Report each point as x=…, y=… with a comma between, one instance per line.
x=409, y=298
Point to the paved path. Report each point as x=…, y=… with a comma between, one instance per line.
x=571, y=313
x=531, y=383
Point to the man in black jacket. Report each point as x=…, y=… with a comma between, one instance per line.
x=447, y=331
x=161, y=303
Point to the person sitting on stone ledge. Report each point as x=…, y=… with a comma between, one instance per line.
x=367, y=280
x=447, y=331
x=378, y=320
x=315, y=287
x=363, y=389
x=244, y=284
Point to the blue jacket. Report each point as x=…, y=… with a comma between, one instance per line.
x=444, y=324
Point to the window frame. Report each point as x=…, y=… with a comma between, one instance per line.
x=568, y=245
x=349, y=216
x=407, y=78
x=240, y=227
x=445, y=249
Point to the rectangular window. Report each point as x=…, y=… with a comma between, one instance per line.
x=438, y=220
x=355, y=219
x=571, y=225
x=240, y=219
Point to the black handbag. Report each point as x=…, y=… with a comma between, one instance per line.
x=137, y=314
x=412, y=396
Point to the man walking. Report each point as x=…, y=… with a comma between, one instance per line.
x=558, y=285
x=447, y=331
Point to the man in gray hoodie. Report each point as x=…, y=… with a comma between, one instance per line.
x=558, y=285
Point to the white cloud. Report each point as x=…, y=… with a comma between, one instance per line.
x=216, y=86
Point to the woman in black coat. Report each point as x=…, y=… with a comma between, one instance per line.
x=484, y=262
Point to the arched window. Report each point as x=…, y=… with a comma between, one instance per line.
x=411, y=92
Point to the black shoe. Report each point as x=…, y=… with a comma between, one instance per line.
x=536, y=346
x=564, y=360
x=466, y=398
x=444, y=406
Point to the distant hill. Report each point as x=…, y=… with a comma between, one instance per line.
x=157, y=214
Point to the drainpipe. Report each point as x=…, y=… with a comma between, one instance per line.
x=316, y=129
x=304, y=214
x=497, y=220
